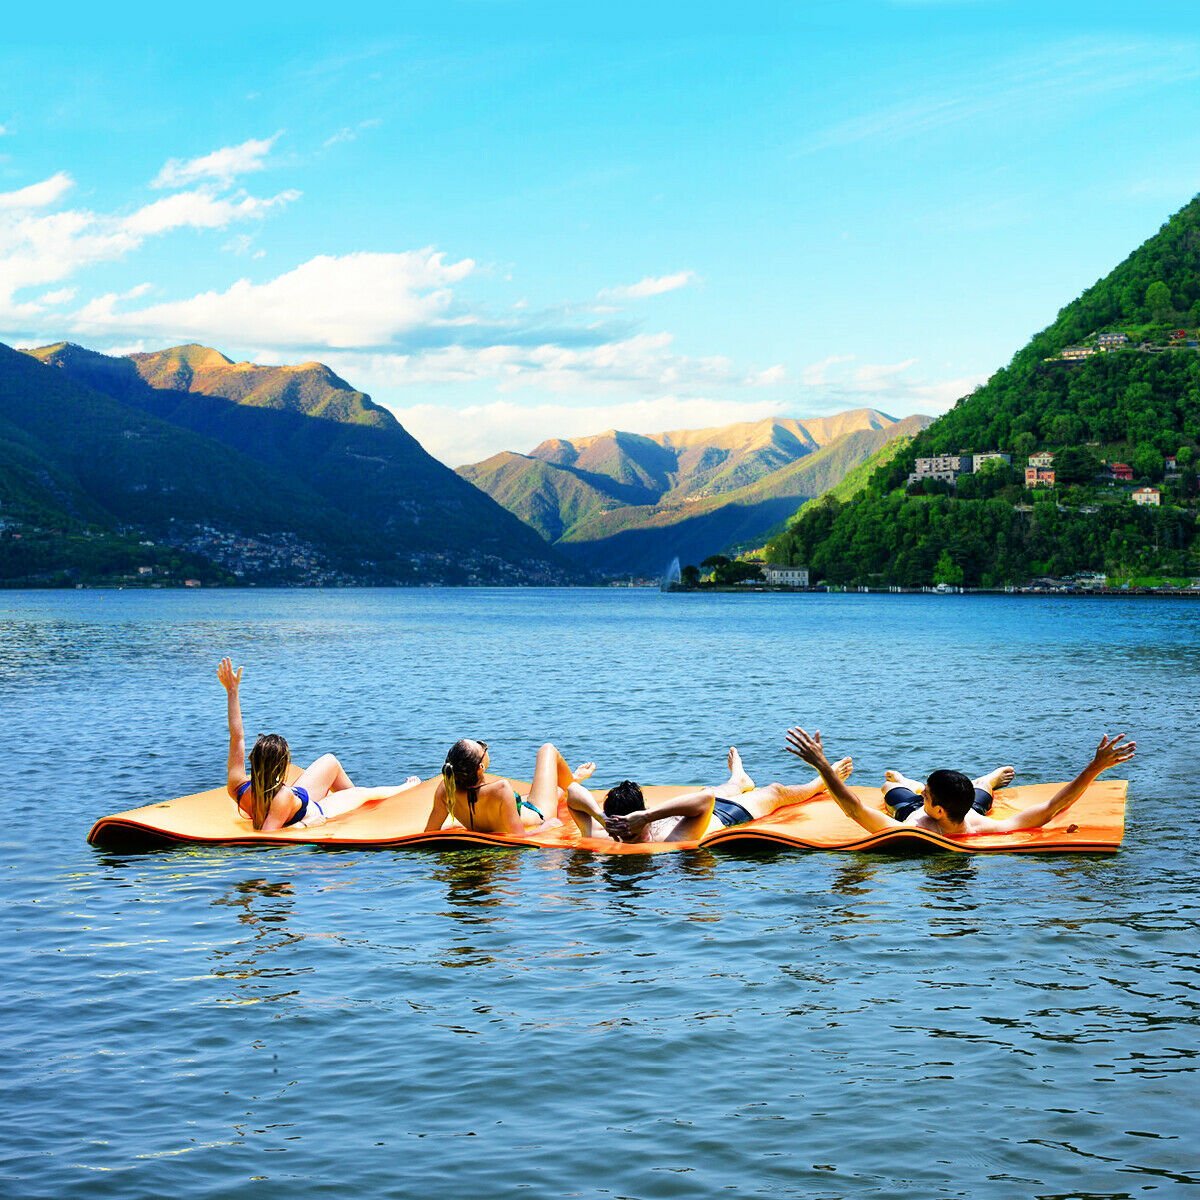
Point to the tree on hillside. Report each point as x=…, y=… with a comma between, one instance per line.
x=1159, y=301
x=1147, y=463
x=947, y=571
x=1076, y=465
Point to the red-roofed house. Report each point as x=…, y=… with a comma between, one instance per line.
x=1147, y=495
x=1121, y=471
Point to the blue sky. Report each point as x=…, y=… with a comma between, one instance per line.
x=514, y=221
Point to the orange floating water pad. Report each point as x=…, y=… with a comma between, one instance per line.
x=1095, y=823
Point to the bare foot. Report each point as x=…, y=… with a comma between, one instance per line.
x=584, y=771
x=843, y=767
x=893, y=779
x=737, y=773
x=993, y=781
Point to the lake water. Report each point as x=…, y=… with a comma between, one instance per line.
x=278, y=1022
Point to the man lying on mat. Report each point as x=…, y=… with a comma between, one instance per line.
x=625, y=817
x=949, y=802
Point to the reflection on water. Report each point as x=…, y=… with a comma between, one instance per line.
x=213, y=1022
x=263, y=908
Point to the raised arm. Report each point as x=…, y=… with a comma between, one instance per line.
x=235, y=766
x=1109, y=753
x=695, y=807
x=808, y=747
x=585, y=809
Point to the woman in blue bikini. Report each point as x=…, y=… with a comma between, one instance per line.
x=489, y=805
x=264, y=797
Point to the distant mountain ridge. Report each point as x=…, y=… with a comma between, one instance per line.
x=358, y=485
x=625, y=502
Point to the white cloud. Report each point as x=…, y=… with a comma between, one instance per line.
x=37, y=195
x=642, y=362
x=817, y=374
x=349, y=133
x=651, y=285
x=840, y=382
x=873, y=376
x=329, y=301
x=200, y=210
x=220, y=166
x=468, y=434
x=39, y=248
x=61, y=296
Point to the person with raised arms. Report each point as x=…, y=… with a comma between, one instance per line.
x=466, y=794
x=625, y=817
x=264, y=797
x=949, y=802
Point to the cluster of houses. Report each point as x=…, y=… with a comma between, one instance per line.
x=1039, y=471
x=1180, y=339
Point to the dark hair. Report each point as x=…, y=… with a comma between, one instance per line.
x=460, y=772
x=625, y=797
x=953, y=791
x=269, y=760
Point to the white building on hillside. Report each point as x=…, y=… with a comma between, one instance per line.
x=977, y=460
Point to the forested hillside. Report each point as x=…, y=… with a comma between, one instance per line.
x=1111, y=390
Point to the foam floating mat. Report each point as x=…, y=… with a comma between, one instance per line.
x=1094, y=824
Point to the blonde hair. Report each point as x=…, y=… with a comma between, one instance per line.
x=461, y=772
x=269, y=762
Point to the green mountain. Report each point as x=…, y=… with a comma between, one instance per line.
x=628, y=503
x=261, y=452
x=1078, y=393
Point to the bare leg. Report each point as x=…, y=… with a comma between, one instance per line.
x=738, y=781
x=337, y=804
x=893, y=779
x=550, y=775
x=993, y=781
x=324, y=776
x=761, y=802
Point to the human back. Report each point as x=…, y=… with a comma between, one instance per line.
x=490, y=805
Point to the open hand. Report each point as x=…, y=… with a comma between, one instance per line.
x=584, y=771
x=230, y=679
x=1112, y=751
x=807, y=746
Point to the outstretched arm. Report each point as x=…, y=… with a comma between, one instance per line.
x=695, y=808
x=1109, y=753
x=235, y=766
x=808, y=747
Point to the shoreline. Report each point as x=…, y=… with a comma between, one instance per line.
x=730, y=589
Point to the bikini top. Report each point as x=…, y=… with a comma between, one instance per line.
x=300, y=794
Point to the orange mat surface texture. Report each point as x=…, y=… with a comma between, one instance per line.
x=1096, y=822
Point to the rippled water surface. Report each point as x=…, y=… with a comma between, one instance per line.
x=282, y=1022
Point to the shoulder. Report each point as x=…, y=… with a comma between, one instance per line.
x=286, y=800
x=499, y=788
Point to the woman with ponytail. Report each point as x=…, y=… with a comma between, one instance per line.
x=489, y=804
x=264, y=796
